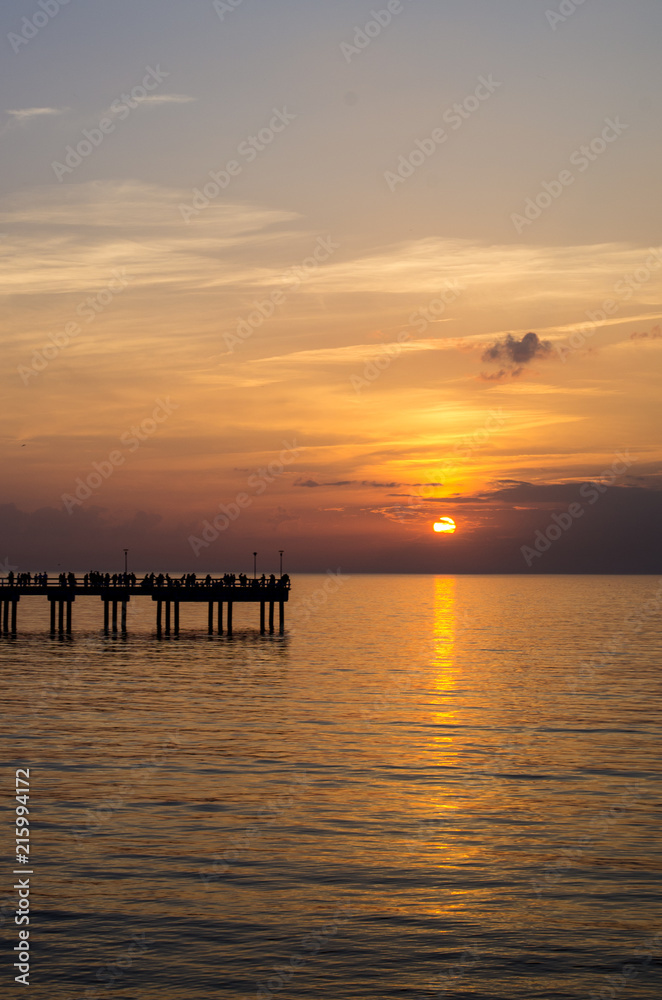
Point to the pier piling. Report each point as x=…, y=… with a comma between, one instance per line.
x=116, y=592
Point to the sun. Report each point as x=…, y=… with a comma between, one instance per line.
x=446, y=525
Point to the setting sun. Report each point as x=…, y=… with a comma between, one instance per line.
x=446, y=525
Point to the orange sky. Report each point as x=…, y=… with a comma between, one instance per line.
x=156, y=359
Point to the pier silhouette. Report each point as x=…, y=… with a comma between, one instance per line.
x=168, y=593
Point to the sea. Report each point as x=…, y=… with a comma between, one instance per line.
x=426, y=787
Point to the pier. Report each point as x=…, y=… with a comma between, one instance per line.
x=166, y=592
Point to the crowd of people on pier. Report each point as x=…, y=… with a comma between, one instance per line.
x=130, y=581
x=27, y=579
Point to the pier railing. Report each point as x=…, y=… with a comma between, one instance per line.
x=118, y=589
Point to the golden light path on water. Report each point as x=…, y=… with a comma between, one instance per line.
x=443, y=684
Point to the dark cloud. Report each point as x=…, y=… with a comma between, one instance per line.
x=500, y=375
x=615, y=528
x=654, y=334
x=313, y=484
x=514, y=355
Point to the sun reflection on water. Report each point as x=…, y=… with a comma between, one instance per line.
x=443, y=659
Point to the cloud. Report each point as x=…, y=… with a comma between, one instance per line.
x=154, y=100
x=25, y=114
x=654, y=334
x=313, y=484
x=167, y=99
x=21, y=116
x=74, y=239
x=514, y=355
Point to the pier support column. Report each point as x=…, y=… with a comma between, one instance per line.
x=5, y=616
x=52, y=603
x=68, y=617
x=159, y=618
x=281, y=616
x=123, y=616
x=14, y=606
x=210, y=618
x=60, y=617
x=229, y=617
x=114, y=616
x=262, y=626
x=220, y=617
x=167, y=627
x=106, y=616
x=176, y=603
x=271, y=616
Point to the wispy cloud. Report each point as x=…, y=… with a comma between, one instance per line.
x=150, y=101
x=128, y=224
x=371, y=484
x=167, y=99
x=22, y=116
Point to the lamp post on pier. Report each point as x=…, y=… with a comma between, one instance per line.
x=255, y=565
x=280, y=553
x=126, y=561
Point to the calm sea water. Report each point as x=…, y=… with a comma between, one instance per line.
x=428, y=787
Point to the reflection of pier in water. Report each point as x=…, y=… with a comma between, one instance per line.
x=168, y=594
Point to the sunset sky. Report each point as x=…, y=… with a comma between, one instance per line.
x=334, y=329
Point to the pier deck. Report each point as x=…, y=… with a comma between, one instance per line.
x=167, y=593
